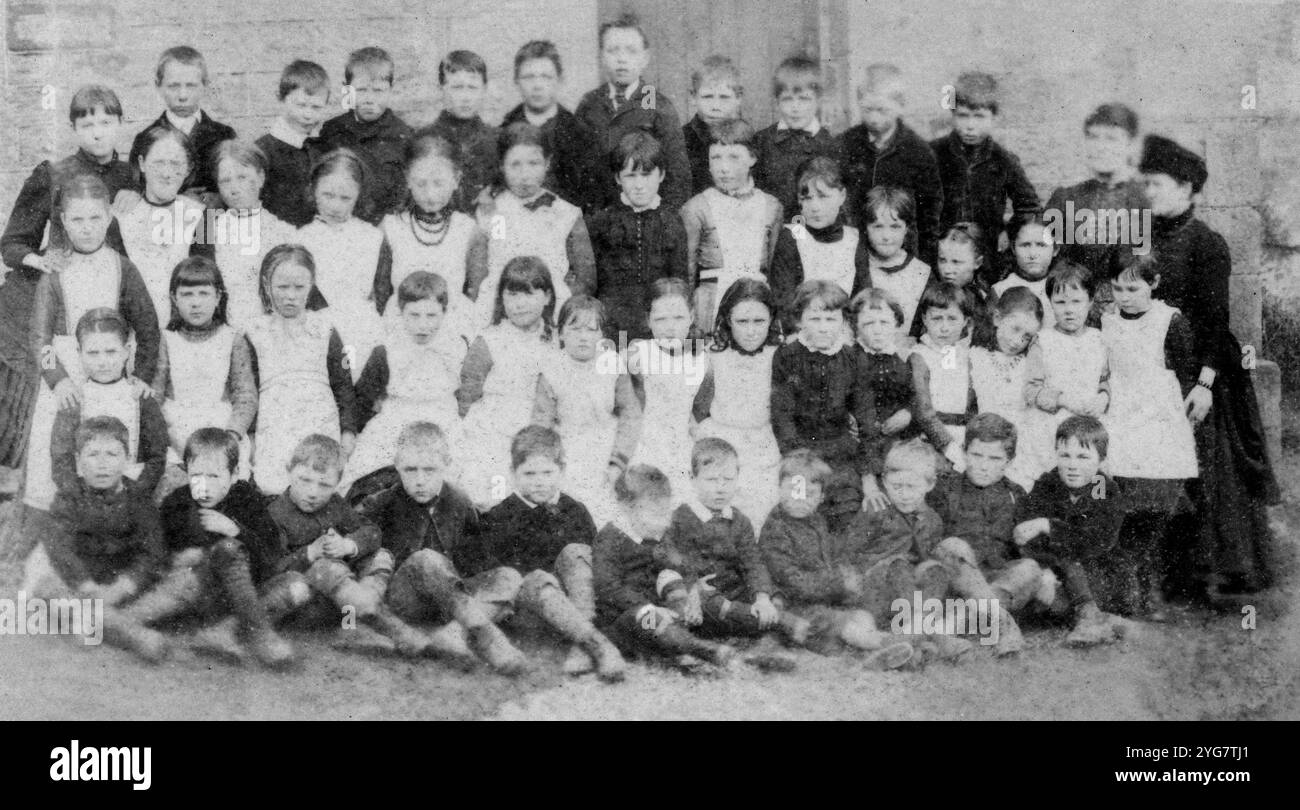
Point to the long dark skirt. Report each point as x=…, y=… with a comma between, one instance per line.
x=18, y=373
x=1232, y=541
x=17, y=397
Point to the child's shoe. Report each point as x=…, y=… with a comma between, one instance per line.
x=220, y=641
x=271, y=649
x=493, y=647
x=1091, y=627
x=450, y=645
x=410, y=643
x=150, y=645
x=578, y=662
x=892, y=656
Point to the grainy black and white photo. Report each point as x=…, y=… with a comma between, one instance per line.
x=649, y=360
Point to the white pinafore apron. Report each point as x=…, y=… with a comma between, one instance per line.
x=827, y=261
x=294, y=395
x=157, y=238
x=243, y=238
x=949, y=380
x=512, y=231
x=670, y=382
x=742, y=240
x=346, y=258
x=506, y=407
x=1150, y=436
x=88, y=282
x=585, y=401
x=741, y=414
x=198, y=371
x=447, y=259
x=999, y=383
x=422, y=383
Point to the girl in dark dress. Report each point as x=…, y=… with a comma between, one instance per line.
x=1228, y=537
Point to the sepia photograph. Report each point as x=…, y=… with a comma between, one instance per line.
x=658, y=360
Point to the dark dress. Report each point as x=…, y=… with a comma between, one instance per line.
x=1229, y=534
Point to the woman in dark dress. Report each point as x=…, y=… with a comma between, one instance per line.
x=1228, y=537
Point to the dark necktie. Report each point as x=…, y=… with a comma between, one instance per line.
x=545, y=200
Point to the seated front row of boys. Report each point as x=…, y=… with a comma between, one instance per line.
x=655, y=581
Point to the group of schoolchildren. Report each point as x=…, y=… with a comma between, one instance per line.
x=413, y=403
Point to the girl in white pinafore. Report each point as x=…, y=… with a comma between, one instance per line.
x=998, y=375
x=731, y=234
x=942, y=377
x=524, y=219
x=90, y=275
x=1150, y=435
x=671, y=372
x=350, y=254
x=297, y=357
x=498, y=381
x=585, y=397
x=205, y=377
x=430, y=235
x=1064, y=368
x=409, y=381
x=734, y=402
x=244, y=232
x=159, y=227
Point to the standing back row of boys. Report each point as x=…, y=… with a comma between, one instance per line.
x=479, y=301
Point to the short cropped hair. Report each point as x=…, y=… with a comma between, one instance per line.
x=641, y=482
x=102, y=427
x=797, y=73
x=423, y=434
x=884, y=76
x=626, y=22
x=535, y=440
x=93, y=97
x=539, y=49
x=709, y=451
x=212, y=440
x=638, y=148
x=716, y=69
x=422, y=285
x=461, y=62
x=1088, y=431
x=989, y=427
x=828, y=294
x=874, y=298
x=183, y=54
x=966, y=233
x=318, y=452
x=807, y=464
x=1113, y=114
x=374, y=61
x=977, y=91
x=1019, y=299
x=911, y=456
x=1066, y=275
x=736, y=132
x=303, y=75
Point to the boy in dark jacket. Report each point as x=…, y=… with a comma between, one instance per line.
x=430, y=534
x=980, y=175
x=462, y=76
x=808, y=568
x=101, y=538
x=978, y=509
x=883, y=151
x=334, y=548
x=625, y=103
x=292, y=146
x=784, y=147
x=545, y=535
x=717, y=92
x=369, y=127
x=627, y=563
x=716, y=557
x=573, y=172
x=224, y=545
x=1071, y=522
x=182, y=81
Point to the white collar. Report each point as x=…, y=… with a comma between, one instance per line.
x=811, y=129
x=705, y=514
x=652, y=206
x=627, y=94
x=280, y=130
x=185, y=125
x=832, y=351
x=624, y=525
x=553, y=502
